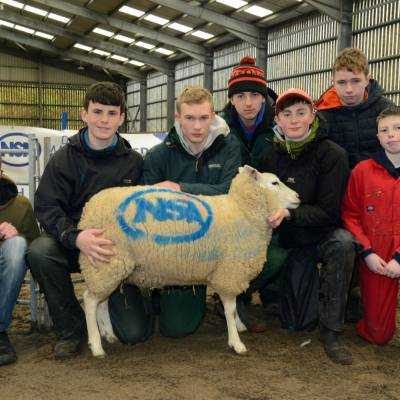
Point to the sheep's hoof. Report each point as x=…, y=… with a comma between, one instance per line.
x=98, y=353
x=239, y=348
x=111, y=338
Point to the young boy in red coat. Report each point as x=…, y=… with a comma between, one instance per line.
x=371, y=212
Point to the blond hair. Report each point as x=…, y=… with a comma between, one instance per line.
x=194, y=95
x=351, y=59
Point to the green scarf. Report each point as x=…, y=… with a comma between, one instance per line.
x=292, y=147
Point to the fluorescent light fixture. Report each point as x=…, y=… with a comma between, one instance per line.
x=137, y=63
x=83, y=47
x=35, y=10
x=23, y=29
x=119, y=58
x=233, y=3
x=180, y=27
x=6, y=23
x=202, y=34
x=103, y=32
x=164, y=51
x=131, y=11
x=123, y=38
x=258, y=11
x=44, y=35
x=155, y=19
x=145, y=45
x=13, y=3
x=101, y=52
x=59, y=18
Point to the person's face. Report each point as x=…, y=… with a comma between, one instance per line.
x=295, y=120
x=102, y=122
x=350, y=86
x=247, y=105
x=195, y=121
x=389, y=134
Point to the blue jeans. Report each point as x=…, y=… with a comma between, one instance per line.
x=12, y=272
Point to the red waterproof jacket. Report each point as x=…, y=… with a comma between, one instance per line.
x=371, y=207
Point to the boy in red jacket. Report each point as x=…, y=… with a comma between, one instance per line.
x=371, y=212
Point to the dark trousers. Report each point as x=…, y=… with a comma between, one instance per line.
x=309, y=295
x=51, y=265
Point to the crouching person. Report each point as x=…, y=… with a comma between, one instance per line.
x=96, y=158
x=18, y=227
x=317, y=169
x=198, y=156
x=371, y=214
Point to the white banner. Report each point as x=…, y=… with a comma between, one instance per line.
x=15, y=137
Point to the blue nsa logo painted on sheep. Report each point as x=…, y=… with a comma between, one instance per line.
x=178, y=207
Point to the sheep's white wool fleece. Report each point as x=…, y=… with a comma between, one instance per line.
x=230, y=254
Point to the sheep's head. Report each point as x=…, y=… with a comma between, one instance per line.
x=279, y=195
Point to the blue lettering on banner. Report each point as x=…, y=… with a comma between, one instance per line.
x=15, y=141
x=184, y=207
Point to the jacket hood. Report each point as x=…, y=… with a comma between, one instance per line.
x=76, y=141
x=382, y=159
x=330, y=99
x=8, y=190
x=218, y=128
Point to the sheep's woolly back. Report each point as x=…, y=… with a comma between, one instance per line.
x=171, y=238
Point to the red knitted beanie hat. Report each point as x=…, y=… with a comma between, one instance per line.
x=247, y=77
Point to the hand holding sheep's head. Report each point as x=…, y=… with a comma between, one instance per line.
x=284, y=196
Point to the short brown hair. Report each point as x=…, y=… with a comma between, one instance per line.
x=107, y=93
x=351, y=59
x=392, y=111
x=194, y=95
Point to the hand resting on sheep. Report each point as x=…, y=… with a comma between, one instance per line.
x=166, y=238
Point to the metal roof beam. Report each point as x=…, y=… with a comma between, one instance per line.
x=193, y=50
x=39, y=44
x=233, y=25
x=155, y=62
x=329, y=7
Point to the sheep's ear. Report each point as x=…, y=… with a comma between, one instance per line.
x=252, y=172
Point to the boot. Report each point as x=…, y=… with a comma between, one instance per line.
x=68, y=348
x=334, y=348
x=7, y=352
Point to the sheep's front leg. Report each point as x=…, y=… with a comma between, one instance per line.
x=233, y=335
x=90, y=304
x=104, y=322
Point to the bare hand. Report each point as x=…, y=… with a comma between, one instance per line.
x=376, y=264
x=95, y=247
x=7, y=231
x=393, y=269
x=168, y=185
x=276, y=218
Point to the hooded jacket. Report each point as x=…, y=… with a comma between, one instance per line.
x=319, y=175
x=210, y=174
x=354, y=128
x=252, y=150
x=73, y=175
x=371, y=206
x=17, y=210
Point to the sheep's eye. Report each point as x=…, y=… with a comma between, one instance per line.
x=275, y=183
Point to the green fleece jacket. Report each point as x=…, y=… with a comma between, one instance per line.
x=17, y=210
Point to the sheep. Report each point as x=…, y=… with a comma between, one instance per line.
x=166, y=237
